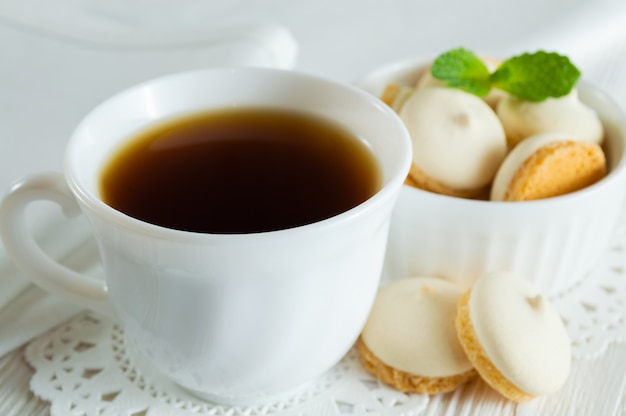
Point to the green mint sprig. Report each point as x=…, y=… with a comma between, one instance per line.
x=530, y=76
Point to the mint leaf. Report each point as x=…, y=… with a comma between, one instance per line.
x=461, y=68
x=536, y=76
x=530, y=76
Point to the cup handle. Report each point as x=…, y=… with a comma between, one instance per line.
x=46, y=272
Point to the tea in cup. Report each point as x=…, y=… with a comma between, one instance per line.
x=241, y=266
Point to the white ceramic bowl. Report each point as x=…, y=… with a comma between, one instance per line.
x=552, y=242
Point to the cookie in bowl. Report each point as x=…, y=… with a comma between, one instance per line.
x=546, y=165
x=522, y=118
x=458, y=142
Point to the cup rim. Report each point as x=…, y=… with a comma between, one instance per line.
x=389, y=189
x=410, y=67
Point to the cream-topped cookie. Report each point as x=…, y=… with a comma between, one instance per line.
x=409, y=340
x=567, y=114
x=514, y=337
x=548, y=164
x=458, y=141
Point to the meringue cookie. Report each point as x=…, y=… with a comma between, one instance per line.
x=546, y=165
x=567, y=114
x=514, y=337
x=458, y=141
x=409, y=340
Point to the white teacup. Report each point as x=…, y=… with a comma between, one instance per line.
x=236, y=318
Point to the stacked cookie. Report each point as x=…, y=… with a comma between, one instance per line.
x=426, y=335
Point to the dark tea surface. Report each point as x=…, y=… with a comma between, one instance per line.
x=240, y=171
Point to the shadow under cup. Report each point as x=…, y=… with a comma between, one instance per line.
x=240, y=318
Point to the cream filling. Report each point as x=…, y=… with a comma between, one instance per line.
x=516, y=158
x=457, y=138
x=411, y=327
x=568, y=114
x=520, y=332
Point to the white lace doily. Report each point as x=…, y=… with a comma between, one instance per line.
x=86, y=368
x=594, y=310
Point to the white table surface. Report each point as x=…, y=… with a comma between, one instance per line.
x=49, y=79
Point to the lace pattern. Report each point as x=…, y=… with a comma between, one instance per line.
x=86, y=367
